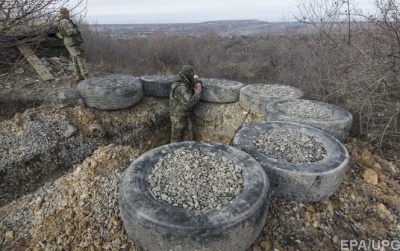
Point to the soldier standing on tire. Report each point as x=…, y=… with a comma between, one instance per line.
x=185, y=94
x=72, y=40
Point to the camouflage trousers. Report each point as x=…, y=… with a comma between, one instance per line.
x=181, y=128
x=78, y=60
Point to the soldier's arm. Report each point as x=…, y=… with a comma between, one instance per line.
x=68, y=28
x=187, y=98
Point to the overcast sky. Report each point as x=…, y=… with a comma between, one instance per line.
x=178, y=11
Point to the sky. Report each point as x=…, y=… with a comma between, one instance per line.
x=179, y=11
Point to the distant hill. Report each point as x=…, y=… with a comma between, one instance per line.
x=222, y=27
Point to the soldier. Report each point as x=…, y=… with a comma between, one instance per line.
x=185, y=94
x=72, y=41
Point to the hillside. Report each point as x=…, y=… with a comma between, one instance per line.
x=223, y=28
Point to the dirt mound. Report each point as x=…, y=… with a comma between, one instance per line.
x=79, y=211
x=44, y=143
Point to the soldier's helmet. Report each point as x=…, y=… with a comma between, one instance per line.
x=63, y=11
x=188, y=71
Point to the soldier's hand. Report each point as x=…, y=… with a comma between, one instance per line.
x=197, y=88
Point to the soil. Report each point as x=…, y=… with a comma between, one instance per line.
x=77, y=209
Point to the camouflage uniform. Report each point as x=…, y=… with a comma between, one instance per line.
x=182, y=99
x=73, y=41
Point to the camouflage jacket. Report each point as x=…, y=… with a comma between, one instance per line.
x=69, y=31
x=182, y=98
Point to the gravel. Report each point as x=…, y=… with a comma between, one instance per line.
x=219, y=82
x=79, y=211
x=35, y=146
x=160, y=77
x=45, y=142
x=305, y=109
x=34, y=136
x=111, y=80
x=84, y=201
x=195, y=180
x=290, y=146
x=273, y=90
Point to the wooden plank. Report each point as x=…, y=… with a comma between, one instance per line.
x=35, y=62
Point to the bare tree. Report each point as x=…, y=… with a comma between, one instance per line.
x=27, y=21
x=357, y=62
x=330, y=18
x=388, y=19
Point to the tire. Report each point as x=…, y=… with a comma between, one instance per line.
x=111, y=92
x=250, y=99
x=309, y=182
x=220, y=90
x=338, y=124
x=156, y=225
x=157, y=86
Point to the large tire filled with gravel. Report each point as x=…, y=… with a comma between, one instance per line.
x=330, y=118
x=255, y=97
x=194, y=195
x=303, y=163
x=220, y=90
x=157, y=86
x=111, y=92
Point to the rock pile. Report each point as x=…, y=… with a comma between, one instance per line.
x=290, y=146
x=57, y=65
x=76, y=212
x=273, y=90
x=43, y=142
x=195, y=181
x=305, y=109
x=80, y=212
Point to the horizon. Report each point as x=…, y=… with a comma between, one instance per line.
x=203, y=22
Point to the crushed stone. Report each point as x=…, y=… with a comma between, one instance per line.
x=273, y=90
x=305, y=109
x=111, y=80
x=195, y=180
x=289, y=145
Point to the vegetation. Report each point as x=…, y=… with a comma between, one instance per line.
x=362, y=58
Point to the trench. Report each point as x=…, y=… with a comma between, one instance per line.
x=8, y=108
x=143, y=126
